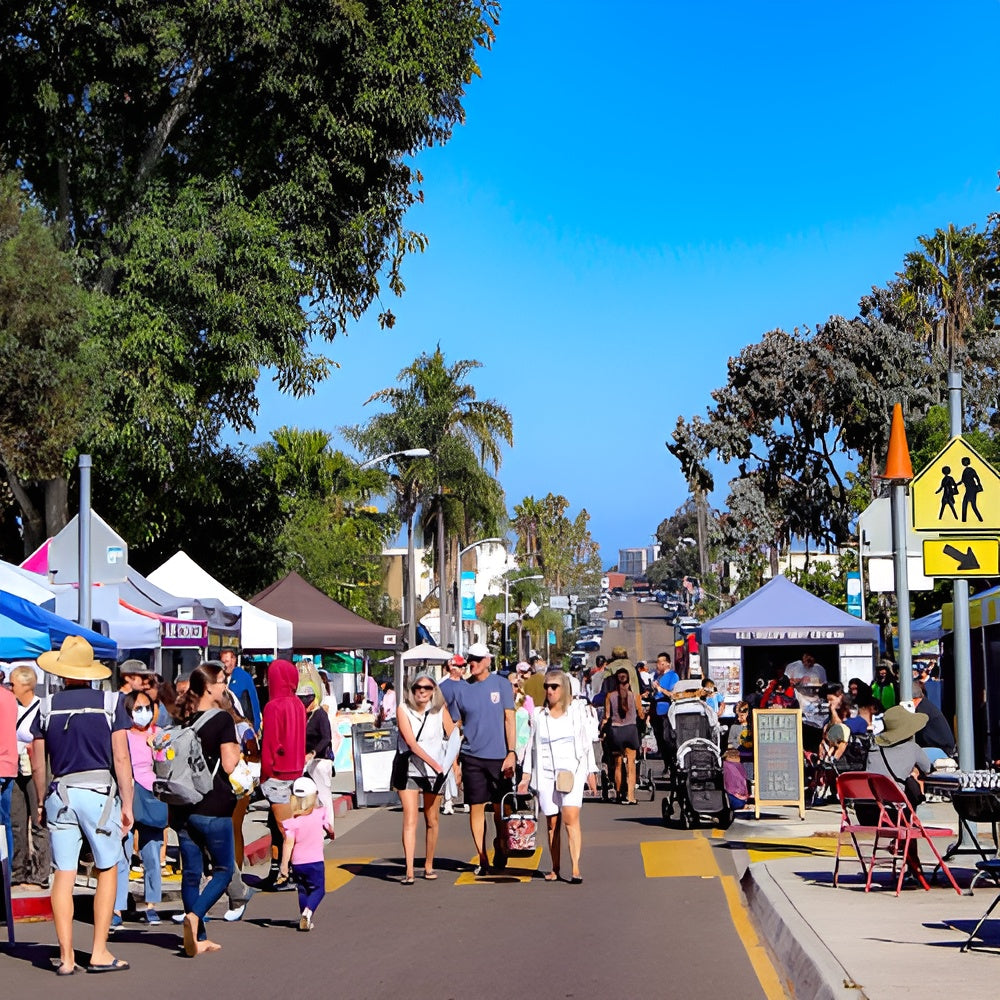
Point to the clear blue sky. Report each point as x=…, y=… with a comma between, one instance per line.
x=643, y=188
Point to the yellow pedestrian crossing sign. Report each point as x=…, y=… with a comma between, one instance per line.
x=961, y=556
x=958, y=491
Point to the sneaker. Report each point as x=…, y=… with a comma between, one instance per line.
x=151, y=917
x=448, y=809
x=116, y=921
x=236, y=912
x=305, y=924
x=283, y=884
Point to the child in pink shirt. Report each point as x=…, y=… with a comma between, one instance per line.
x=304, y=848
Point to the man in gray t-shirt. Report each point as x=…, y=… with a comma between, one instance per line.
x=485, y=708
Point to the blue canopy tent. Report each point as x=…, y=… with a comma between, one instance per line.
x=27, y=631
x=927, y=629
x=782, y=614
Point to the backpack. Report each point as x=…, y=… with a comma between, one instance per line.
x=46, y=711
x=855, y=757
x=182, y=777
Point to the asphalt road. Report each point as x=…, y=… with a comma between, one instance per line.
x=642, y=630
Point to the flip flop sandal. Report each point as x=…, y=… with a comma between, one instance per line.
x=430, y=876
x=118, y=965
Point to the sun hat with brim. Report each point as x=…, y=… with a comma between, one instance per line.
x=74, y=661
x=900, y=725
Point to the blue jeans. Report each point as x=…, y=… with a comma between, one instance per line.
x=200, y=836
x=6, y=797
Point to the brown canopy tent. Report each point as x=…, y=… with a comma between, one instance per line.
x=319, y=622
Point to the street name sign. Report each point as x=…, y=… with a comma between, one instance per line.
x=962, y=556
x=959, y=491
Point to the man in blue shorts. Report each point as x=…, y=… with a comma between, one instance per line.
x=86, y=738
x=485, y=708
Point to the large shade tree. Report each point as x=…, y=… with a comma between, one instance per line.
x=233, y=179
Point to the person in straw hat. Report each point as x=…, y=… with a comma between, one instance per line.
x=86, y=738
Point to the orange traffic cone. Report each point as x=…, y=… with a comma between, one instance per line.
x=898, y=465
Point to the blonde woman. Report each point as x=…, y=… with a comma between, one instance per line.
x=424, y=726
x=559, y=761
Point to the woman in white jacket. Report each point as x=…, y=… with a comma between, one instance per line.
x=560, y=749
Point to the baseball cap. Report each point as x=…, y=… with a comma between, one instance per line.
x=524, y=667
x=304, y=786
x=478, y=650
x=457, y=660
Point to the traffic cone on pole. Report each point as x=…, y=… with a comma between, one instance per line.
x=898, y=466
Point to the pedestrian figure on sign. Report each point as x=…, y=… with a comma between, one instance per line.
x=948, y=490
x=973, y=485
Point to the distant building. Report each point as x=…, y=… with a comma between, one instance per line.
x=634, y=562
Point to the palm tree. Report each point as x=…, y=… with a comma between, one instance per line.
x=433, y=406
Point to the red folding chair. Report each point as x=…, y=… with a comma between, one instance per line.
x=873, y=805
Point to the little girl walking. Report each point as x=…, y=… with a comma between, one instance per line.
x=304, y=848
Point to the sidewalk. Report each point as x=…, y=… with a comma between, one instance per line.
x=845, y=943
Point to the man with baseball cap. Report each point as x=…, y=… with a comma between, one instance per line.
x=485, y=709
x=86, y=738
x=135, y=676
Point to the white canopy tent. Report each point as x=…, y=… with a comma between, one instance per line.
x=180, y=574
x=23, y=583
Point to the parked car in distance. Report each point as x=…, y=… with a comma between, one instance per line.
x=618, y=613
x=686, y=625
x=589, y=645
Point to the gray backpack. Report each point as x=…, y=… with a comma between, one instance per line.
x=182, y=777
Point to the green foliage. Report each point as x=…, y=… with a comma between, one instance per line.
x=560, y=548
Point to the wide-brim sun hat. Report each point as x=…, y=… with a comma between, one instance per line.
x=74, y=661
x=900, y=725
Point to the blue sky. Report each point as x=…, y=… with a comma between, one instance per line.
x=643, y=188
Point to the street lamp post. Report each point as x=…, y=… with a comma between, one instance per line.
x=411, y=574
x=458, y=582
x=506, y=611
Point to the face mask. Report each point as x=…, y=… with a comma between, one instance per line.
x=142, y=716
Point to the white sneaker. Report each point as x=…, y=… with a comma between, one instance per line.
x=448, y=809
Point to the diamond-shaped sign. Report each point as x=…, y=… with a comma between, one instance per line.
x=958, y=491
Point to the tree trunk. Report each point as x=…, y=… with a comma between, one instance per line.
x=56, y=505
x=32, y=520
x=443, y=587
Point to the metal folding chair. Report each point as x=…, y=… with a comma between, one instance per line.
x=873, y=805
x=990, y=867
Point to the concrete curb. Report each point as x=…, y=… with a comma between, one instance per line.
x=810, y=967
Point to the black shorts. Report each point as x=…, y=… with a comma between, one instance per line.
x=623, y=738
x=483, y=780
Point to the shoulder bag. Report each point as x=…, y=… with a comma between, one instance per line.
x=565, y=779
x=401, y=762
x=911, y=787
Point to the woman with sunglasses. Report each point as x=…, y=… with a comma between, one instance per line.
x=622, y=713
x=560, y=758
x=424, y=727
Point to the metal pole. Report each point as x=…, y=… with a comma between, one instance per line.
x=962, y=634
x=899, y=512
x=506, y=627
x=442, y=576
x=458, y=602
x=411, y=595
x=84, y=616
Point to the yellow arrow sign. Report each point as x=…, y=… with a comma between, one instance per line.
x=958, y=491
x=961, y=556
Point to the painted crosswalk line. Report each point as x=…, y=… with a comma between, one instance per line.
x=678, y=858
x=519, y=869
x=340, y=871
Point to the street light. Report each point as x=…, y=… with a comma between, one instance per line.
x=411, y=574
x=506, y=611
x=408, y=453
x=458, y=584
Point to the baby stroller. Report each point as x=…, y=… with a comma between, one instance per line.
x=696, y=786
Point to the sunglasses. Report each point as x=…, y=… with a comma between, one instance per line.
x=423, y=687
x=552, y=687
x=623, y=681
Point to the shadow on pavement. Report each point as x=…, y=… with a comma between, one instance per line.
x=41, y=956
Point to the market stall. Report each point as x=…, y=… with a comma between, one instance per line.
x=777, y=624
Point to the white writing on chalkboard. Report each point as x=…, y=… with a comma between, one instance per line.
x=776, y=729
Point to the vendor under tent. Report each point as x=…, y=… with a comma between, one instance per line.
x=180, y=574
x=27, y=630
x=775, y=625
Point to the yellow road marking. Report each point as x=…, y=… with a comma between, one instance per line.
x=760, y=959
x=695, y=858
x=519, y=869
x=638, y=637
x=337, y=875
x=671, y=858
x=766, y=848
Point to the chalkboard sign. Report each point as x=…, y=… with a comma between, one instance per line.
x=777, y=759
x=374, y=750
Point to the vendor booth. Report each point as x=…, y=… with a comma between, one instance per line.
x=180, y=574
x=775, y=625
x=27, y=631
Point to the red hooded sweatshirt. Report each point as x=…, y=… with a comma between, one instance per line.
x=283, y=745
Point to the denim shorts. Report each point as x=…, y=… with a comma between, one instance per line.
x=69, y=827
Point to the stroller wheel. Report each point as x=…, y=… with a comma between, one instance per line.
x=605, y=786
x=726, y=818
x=686, y=820
x=667, y=809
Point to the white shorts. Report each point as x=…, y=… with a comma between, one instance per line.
x=550, y=801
